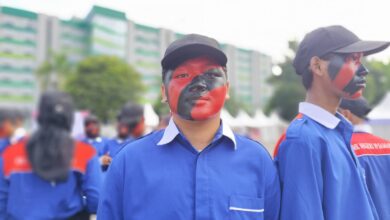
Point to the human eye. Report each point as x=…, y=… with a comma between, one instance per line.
x=181, y=75
x=214, y=73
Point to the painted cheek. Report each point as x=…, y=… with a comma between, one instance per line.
x=345, y=75
x=175, y=88
x=202, y=111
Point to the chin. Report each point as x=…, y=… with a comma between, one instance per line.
x=356, y=95
x=203, y=116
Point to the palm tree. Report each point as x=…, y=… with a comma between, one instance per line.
x=52, y=72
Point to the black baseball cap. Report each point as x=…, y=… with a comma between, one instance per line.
x=130, y=113
x=358, y=107
x=332, y=39
x=191, y=46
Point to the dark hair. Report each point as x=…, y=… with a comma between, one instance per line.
x=91, y=119
x=50, y=148
x=307, y=75
x=131, y=114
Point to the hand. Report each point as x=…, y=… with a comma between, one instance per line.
x=106, y=160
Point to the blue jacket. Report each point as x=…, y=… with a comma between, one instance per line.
x=99, y=143
x=320, y=175
x=374, y=155
x=24, y=195
x=162, y=177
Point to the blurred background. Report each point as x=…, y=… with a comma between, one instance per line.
x=105, y=53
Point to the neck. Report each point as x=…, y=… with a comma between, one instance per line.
x=324, y=98
x=198, y=133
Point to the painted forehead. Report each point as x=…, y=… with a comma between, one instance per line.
x=202, y=62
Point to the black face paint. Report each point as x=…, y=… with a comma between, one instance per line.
x=199, y=87
x=347, y=73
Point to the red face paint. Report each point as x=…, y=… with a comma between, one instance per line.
x=348, y=74
x=196, y=89
x=92, y=130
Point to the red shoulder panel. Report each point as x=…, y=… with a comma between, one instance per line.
x=15, y=159
x=82, y=154
x=283, y=137
x=368, y=144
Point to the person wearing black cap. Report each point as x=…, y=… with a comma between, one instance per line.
x=319, y=173
x=131, y=125
x=92, y=135
x=372, y=152
x=49, y=175
x=11, y=127
x=195, y=168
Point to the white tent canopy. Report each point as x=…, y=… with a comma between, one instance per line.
x=227, y=118
x=382, y=110
x=151, y=118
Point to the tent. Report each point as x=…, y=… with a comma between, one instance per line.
x=382, y=110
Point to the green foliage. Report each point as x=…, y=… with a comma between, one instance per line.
x=103, y=84
x=233, y=104
x=289, y=90
x=52, y=73
x=161, y=108
x=378, y=81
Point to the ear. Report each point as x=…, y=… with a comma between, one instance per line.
x=347, y=114
x=163, y=94
x=316, y=66
x=227, y=91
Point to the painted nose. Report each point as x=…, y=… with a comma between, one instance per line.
x=199, y=84
x=362, y=71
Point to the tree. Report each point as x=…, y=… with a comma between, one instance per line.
x=378, y=80
x=289, y=90
x=103, y=84
x=233, y=104
x=161, y=108
x=53, y=72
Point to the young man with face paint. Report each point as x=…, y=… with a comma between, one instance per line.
x=320, y=175
x=372, y=152
x=196, y=168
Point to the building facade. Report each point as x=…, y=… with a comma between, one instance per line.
x=27, y=39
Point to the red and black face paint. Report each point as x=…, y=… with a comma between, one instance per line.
x=196, y=89
x=92, y=130
x=348, y=74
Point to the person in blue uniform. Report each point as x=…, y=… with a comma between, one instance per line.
x=373, y=153
x=11, y=127
x=93, y=137
x=92, y=134
x=131, y=125
x=319, y=172
x=196, y=168
x=50, y=175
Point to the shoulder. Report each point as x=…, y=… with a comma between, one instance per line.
x=250, y=146
x=83, y=154
x=142, y=144
x=304, y=129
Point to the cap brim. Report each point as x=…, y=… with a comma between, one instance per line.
x=367, y=47
x=182, y=54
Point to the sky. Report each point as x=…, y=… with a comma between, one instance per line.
x=261, y=25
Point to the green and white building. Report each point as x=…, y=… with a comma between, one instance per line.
x=27, y=38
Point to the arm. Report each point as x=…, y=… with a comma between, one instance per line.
x=111, y=199
x=91, y=184
x=4, y=185
x=299, y=164
x=272, y=192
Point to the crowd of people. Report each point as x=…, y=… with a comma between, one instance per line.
x=326, y=165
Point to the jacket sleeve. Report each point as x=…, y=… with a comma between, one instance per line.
x=92, y=184
x=4, y=185
x=299, y=164
x=272, y=192
x=111, y=200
